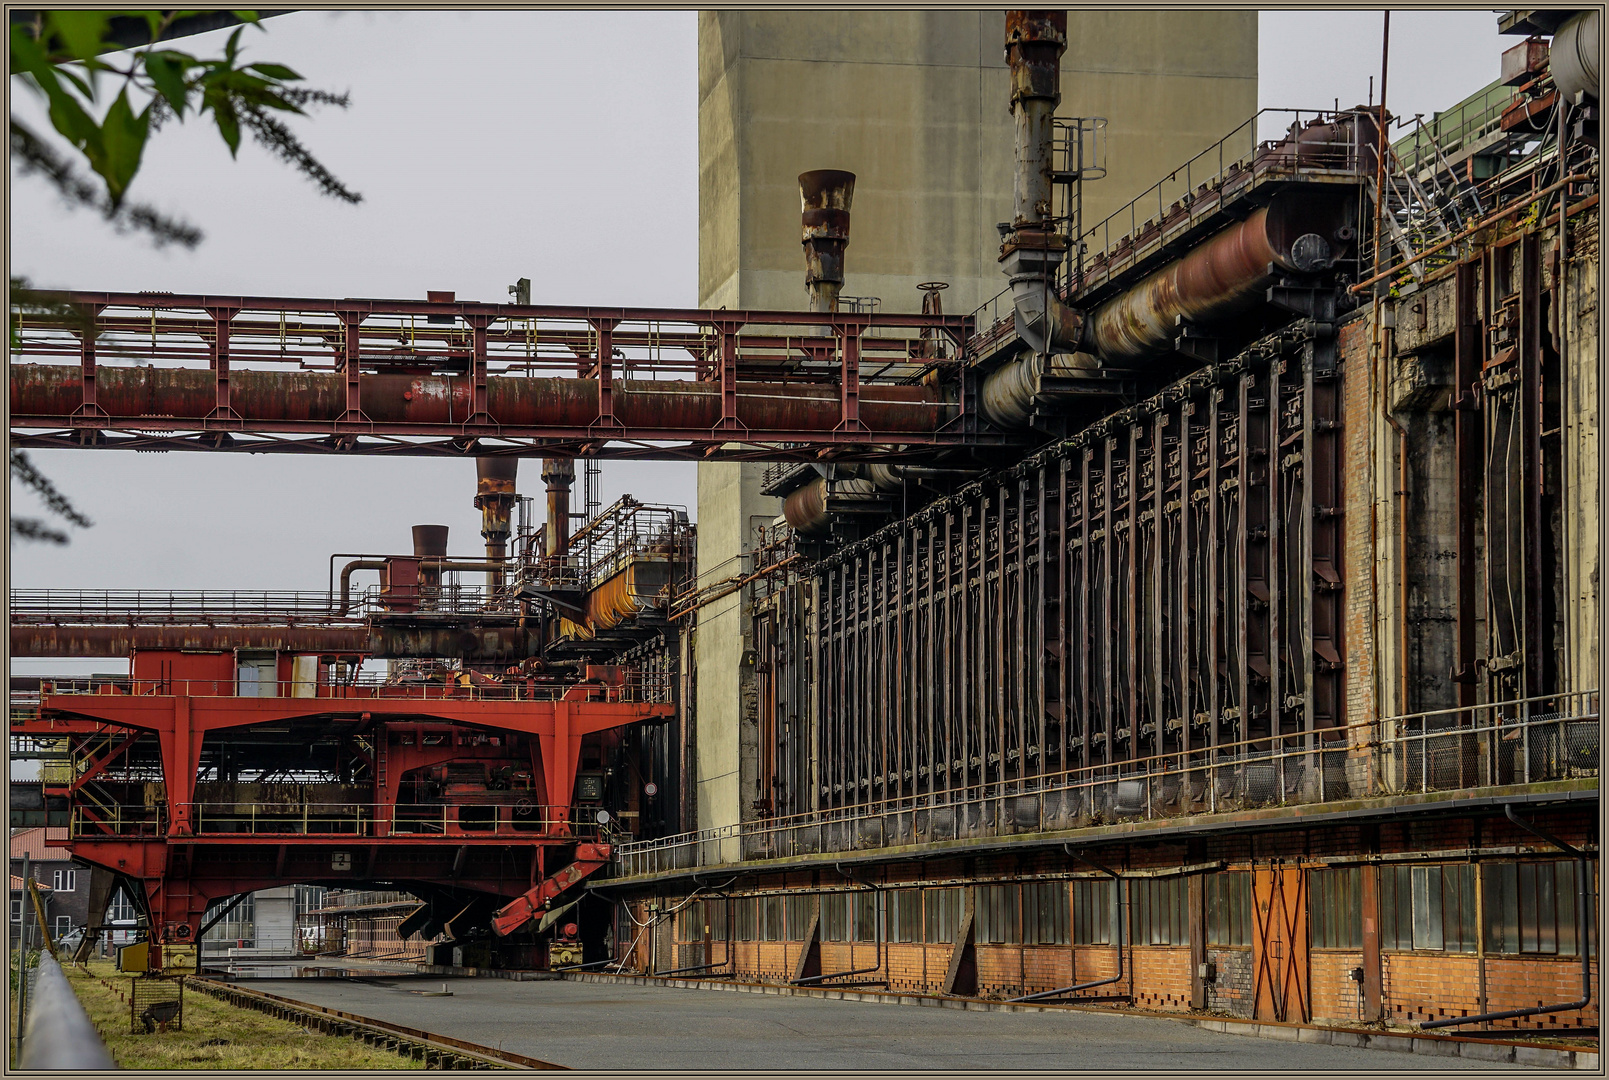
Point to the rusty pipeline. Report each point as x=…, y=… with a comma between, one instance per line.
x=678, y=409
x=122, y=641
x=825, y=196
x=1226, y=275
x=436, y=566
x=805, y=508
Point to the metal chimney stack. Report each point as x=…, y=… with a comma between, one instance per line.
x=559, y=475
x=824, y=198
x=429, y=543
x=495, y=498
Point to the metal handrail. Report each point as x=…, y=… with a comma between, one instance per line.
x=58, y=1034
x=308, y=819
x=644, y=687
x=1400, y=754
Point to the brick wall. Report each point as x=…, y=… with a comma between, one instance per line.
x=1518, y=983
x=1161, y=978
x=1231, y=992
x=1415, y=987
x=1333, y=994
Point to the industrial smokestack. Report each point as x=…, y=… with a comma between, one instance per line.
x=824, y=199
x=559, y=475
x=494, y=498
x=429, y=542
x=1031, y=249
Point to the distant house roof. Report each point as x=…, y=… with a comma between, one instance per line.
x=17, y=885
x=36, y=844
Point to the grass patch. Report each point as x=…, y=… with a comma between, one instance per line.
x=216, y=1035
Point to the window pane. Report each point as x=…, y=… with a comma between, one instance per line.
x=1427, y=933
x=1501, y=883
x=1404, y=906
x=1564, y=892
x=1527, y=906
x=1240, y=907
x=1546, y=912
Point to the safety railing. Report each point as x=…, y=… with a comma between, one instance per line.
x=1511, y=743
x=56, y=1031
x=1448, y=133
x=168, y=606
x=1314, y=144
x=515, y=818
x=641, y=687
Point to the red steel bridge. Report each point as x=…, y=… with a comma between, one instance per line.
x=158, y=371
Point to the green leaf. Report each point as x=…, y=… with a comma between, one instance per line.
x=228, y=125
x=274, y=71
x=233, y=46
x=68, y=117
x=83, y=33
x=123, y=136
x=249, y=17
x=167, y=70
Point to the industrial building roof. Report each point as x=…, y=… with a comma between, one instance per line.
x=36, y=844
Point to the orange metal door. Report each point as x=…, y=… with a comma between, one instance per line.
x=1279, y=943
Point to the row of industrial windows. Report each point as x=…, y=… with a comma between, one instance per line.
x=1529, y=908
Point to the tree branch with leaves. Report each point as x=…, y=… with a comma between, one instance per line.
x=68, y=57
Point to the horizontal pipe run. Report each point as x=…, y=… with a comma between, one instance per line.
x=121, y=641
x=312, y=402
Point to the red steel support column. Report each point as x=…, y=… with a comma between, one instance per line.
x=350, y=321
x=729, y=420
x=220, y=361
x=480, y=413
x=86, y=343
x=606, y=391
x=849, y=342
x=181, y=757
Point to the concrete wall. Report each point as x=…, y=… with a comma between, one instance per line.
x=916, y=103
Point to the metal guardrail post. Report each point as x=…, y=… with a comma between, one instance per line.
x=58, y=1033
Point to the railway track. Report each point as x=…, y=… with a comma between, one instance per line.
x=436, y=1051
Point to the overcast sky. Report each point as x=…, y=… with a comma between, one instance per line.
x=559, y=146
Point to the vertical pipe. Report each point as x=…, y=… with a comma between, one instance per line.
x=825, y=196
x=495, y=498
x=558, y=474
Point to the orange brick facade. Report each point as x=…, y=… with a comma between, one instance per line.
x=1415, y=986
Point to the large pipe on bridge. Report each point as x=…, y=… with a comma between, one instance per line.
x=121, y=641
x=315, y=397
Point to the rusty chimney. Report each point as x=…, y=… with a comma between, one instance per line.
x=824, y=198
x=558, y=474
x=429, y=542
x=495, y=498
x=1031, y=248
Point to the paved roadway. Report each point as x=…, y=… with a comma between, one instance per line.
x=598, y=1026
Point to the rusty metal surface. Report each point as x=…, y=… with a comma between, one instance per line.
x=312, y=402
x=408, y=377
x=805, y=508
x=121, y=641
x=1164, y=583
x=825, y=197
x=1224, y=276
